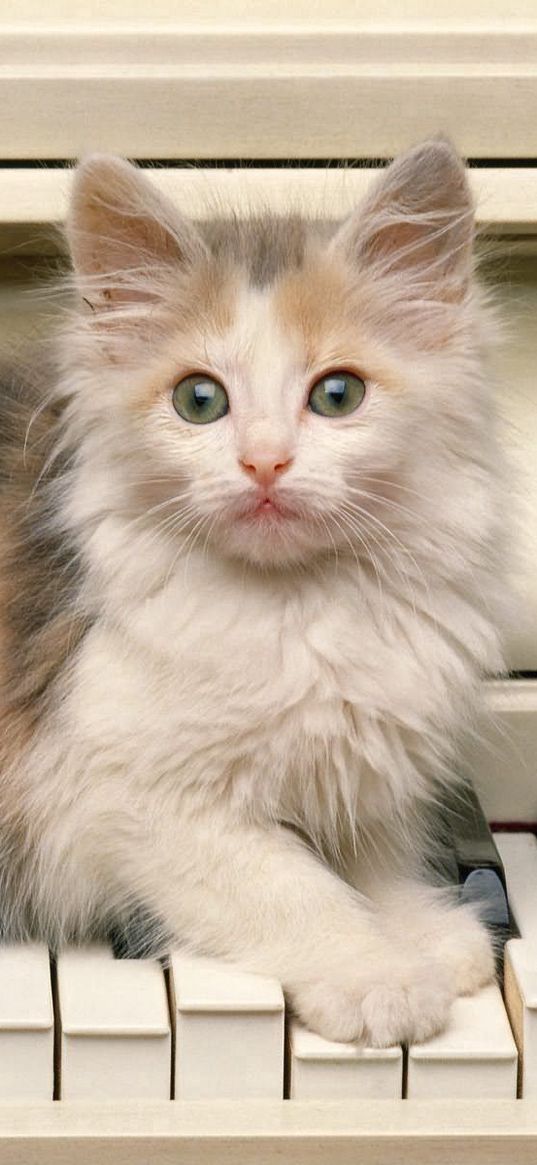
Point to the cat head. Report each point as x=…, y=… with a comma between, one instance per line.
x=262, y=387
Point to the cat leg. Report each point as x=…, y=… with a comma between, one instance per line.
x=428, y=919
x=259, y=897
x=423, y=918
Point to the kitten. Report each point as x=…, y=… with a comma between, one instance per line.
x=250, y=571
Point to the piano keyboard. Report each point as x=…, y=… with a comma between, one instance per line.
x=92, y=1027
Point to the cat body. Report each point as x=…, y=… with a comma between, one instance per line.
x=261, y=638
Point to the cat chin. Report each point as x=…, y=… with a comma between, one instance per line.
x=261, y=545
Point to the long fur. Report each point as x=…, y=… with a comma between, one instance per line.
x=233, y=726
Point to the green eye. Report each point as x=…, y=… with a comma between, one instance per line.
x=337, y=394
x=200, y=400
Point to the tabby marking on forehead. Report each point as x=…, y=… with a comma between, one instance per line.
x=265, y=246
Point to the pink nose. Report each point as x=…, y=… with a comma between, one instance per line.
x=265, y=467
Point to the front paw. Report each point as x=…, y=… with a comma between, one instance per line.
x=465, y=950
x=405, y=1005
x=421, y=919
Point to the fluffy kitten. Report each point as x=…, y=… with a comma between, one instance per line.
x=250, y=579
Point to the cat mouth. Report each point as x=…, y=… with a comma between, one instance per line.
x=267, y=508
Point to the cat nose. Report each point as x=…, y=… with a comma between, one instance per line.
x=266, y=467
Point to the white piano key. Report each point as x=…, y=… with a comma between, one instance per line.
x=518, y=852
x=26, y=1023
x=229, y=1032
x=520, y=976
x=115, y=1027
x=475, y=1057
x=322, y=1070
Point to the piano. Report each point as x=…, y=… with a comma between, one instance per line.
x=106, y=1059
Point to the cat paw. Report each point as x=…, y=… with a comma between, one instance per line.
x=452, y=935
x=407, y=1006
x=466, y=952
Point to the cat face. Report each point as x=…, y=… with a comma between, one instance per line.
x=267, y=383
x=301, y=404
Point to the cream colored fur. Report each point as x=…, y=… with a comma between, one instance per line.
x=246, y=737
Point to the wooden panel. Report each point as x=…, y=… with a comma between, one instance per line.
x=235, y=80
x=518, y=852
x=373, y=1132
x=519, y=855
x=501, y=757
x=520, y=976
x=506, y=198
x=472, y=14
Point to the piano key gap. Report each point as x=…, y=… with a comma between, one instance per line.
x=172, y=1011
x=404, y=1079
x=57, y=1051
x=286, y=1057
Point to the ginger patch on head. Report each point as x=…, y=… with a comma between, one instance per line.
x=322, y=306
x=203, y=308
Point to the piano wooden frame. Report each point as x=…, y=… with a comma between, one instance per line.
x=275, y=82
x=381, y=1132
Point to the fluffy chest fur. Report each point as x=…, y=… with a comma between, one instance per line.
x=309, y=699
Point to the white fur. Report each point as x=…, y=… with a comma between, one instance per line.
x=240, y=680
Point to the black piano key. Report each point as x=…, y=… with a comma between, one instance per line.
x=474, y=862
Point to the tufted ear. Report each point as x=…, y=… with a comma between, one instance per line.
x=120, y=230
x=417, y=224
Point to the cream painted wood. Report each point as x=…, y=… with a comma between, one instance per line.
x=26, y=1024
x=475, y=1057
x=472, y=14
x=373, y=1132
x=520, y=975
x=240, y=80
x=502, y=757
x=506, y=199
x=518, y=852
x=229, y=1032
x=115, y=1027
x=320, y=1069
x=519, y=855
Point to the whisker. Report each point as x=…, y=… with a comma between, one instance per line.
x=392, y=538
x=382, y=542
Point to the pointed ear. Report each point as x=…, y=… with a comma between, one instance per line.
x=416, y=224
x=120, y=231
